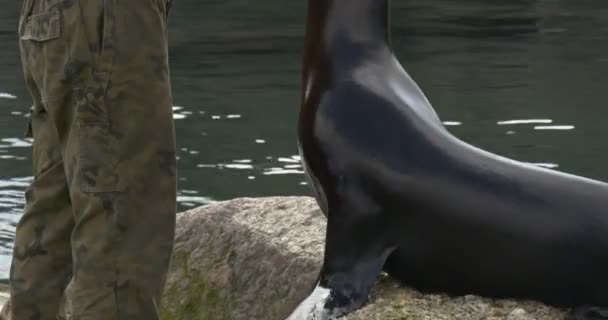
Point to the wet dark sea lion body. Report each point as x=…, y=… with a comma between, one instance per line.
x=403, y=194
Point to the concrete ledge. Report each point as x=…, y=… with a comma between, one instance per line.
x=258, y=258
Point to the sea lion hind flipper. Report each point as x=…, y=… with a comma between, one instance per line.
x=354, y=258
x=588, y=313
x=341, y=292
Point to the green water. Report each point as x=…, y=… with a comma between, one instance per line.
x=235, y=70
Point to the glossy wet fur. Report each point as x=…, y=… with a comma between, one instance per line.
x=392, y=179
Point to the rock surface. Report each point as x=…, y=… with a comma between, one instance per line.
x=4, y=295
x=258, y=258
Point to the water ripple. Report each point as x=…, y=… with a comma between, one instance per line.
x=5, y=95
x=12, y=201
x=237, y=166
x=273, y=171
x=289, y=165
x=193, y=201
x=554, y=127
x=176, y=114
x=524, y=121
x=15, y=183
x=16, y=143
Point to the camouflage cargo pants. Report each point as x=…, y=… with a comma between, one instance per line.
x=97, y=232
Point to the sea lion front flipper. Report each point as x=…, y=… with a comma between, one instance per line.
x=356, y=249
x=588, y=313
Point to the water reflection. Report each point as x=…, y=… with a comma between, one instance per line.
x=536, y=127
x=4, y=95
x=553, y=127
x=524, y=121
x=16, y=143
x=189, y=201
x=11, y=202
x=289, y=165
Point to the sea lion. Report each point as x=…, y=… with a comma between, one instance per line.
x=403, y=194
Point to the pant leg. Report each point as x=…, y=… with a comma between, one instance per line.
x=101, y=67
x=42, y=259
x=120, y=155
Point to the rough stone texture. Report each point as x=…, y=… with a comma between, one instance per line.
x=258, y=258
x=4, y=295
x=244, y=259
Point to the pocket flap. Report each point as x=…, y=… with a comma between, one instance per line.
x=43, y=26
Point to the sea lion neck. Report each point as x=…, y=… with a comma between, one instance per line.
x=358, y=22
x=339, y=32
x=336, y=23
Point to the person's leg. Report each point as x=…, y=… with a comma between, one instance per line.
x=42, y=259
x=101, y=69
x=120, y=160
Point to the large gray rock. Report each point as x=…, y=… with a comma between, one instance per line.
x=250, y=259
